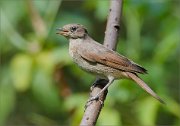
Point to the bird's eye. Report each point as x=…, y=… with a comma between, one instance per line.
x=73, y=29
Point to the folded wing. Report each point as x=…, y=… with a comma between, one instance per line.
x=111, y=59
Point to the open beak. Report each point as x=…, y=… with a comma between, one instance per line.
x=61, y=31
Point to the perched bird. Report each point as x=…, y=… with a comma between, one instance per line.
x=95, y=58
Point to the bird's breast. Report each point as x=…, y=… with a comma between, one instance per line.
x=74, y=46
x=72, y=51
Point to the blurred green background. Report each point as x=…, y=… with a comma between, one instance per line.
x=41, y=86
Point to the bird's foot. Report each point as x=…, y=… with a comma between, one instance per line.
x=100, y=82
x=90, y=101
x=94, y=98
x=97, y=99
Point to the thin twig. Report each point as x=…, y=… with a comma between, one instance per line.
x=37, y=21
x=93, y=108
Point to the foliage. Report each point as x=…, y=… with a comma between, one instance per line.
x=40, y=85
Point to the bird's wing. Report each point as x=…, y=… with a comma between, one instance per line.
x=110, y=58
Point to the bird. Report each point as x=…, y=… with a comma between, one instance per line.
x=97, y=59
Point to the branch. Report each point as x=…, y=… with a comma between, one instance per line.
x=36, y=19
x=113, y=24
x=93, y=108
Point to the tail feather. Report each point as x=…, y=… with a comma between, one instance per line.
x=143, y=85
x=139, y=69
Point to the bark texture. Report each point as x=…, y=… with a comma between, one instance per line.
x=93, y=108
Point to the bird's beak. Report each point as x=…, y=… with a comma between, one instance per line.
x=61, y=31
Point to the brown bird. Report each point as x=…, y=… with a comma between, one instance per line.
x=95, y=58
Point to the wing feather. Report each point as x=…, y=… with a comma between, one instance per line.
x=111, y=59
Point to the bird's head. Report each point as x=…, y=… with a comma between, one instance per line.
x=73, y=31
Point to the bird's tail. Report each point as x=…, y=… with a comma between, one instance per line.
x=142, y=84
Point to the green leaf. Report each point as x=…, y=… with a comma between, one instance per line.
x=133, y=26
x=7, y=98
x=21, y=66
x=14, y=10
x=76, y=102
x=61, y=55
x=168, y=45
x=109, y=116
x=147, y=111
x=102, y=9
x=47, y=60
x=172, y=106
x=45, y=92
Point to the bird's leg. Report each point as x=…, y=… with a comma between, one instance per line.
x=111, y=79
x=98, y=81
